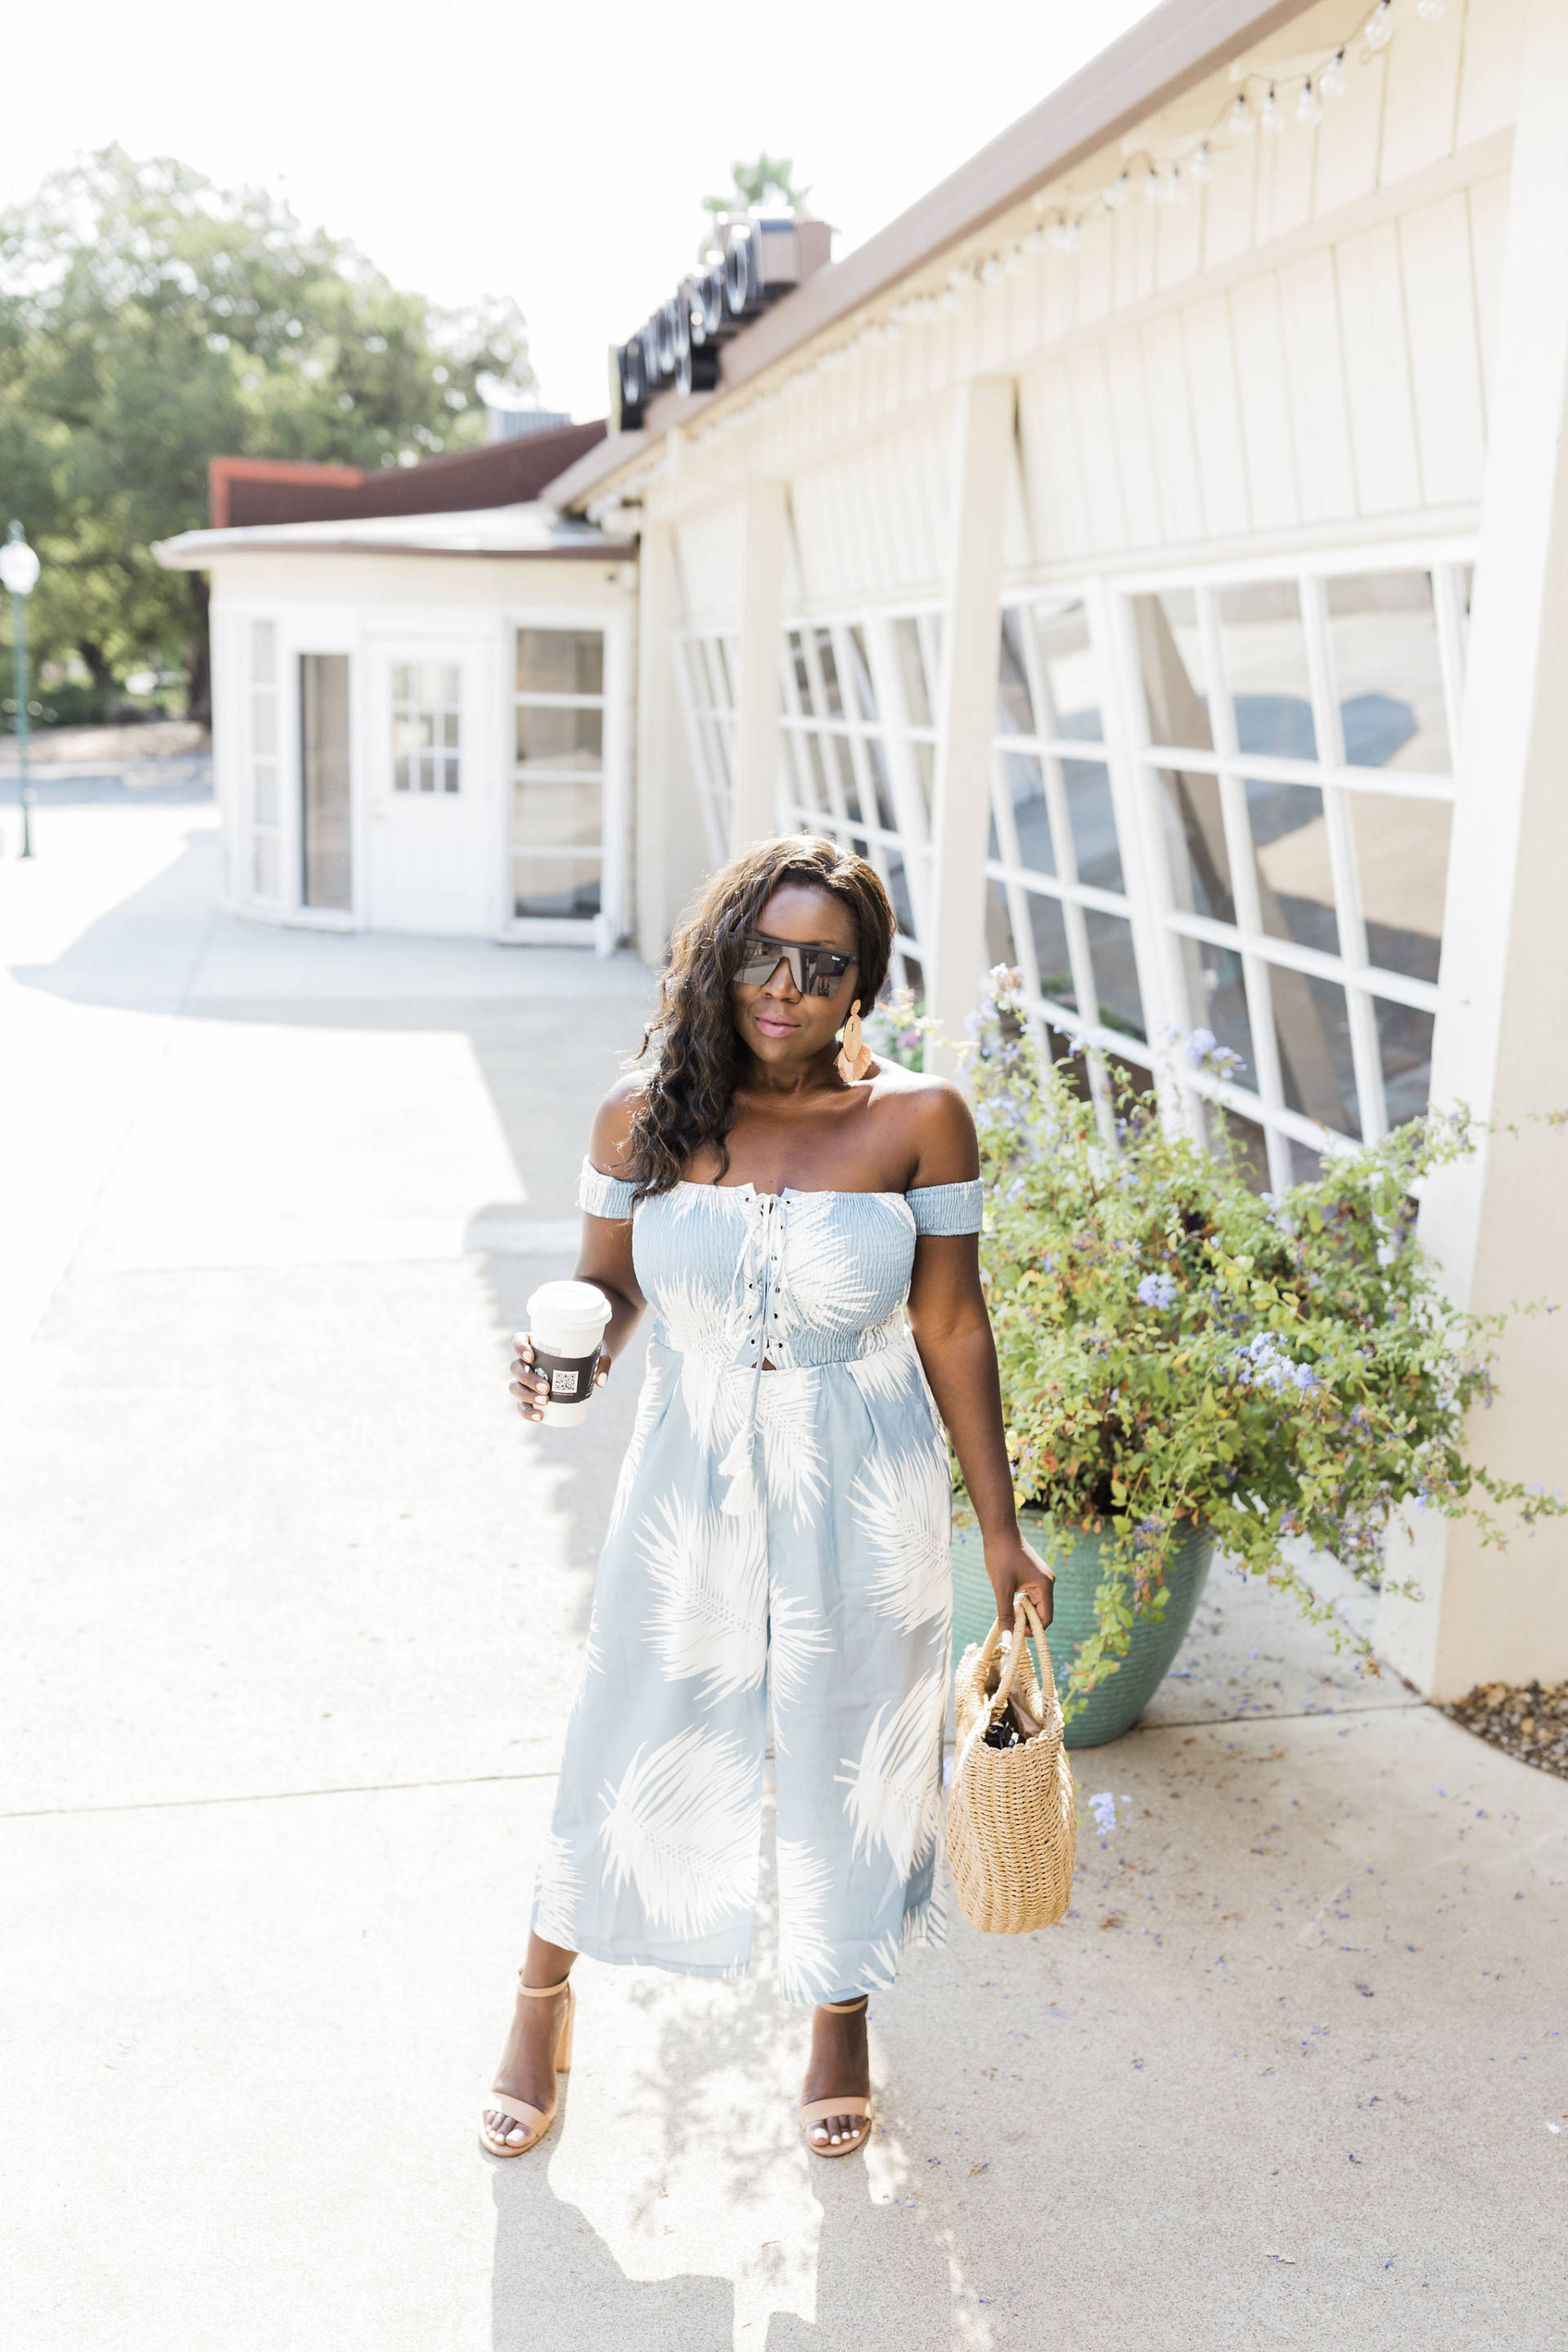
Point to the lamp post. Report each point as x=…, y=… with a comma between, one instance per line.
x=19, y=573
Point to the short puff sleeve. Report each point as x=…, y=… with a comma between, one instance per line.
x=602, y=1195
x=946, y=1208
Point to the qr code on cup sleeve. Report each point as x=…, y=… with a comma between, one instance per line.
x=564, y=1383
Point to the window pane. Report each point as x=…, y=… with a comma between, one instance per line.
x=999, y=943
x=1115, y=973
x=1266, y=669
x=264, y=724
x=559, y=887
x=263, y=653
x=912, y=670
x=1052, y=961
x=802, y=674
x=560, y=661
x=264, y=793
x=899, y=892
x=925, y=772
x=1404, y=1047
x=449, y=774
x=427, y=767
x=818, y=770
x=400, y=775
x=860, y=671
x=1216, y=996
x=1306, y=1165
x=1387, y=672
x=829, y=668
x=876, y=758
x=446, y=682
x=449, y=728
x=723, y=670
x=553, y=738
x=1311, y=1020
x=556, y=816
x=1402, y=867
x=1250, y=1144
x=1295, y=886
x=1093, y=821
x=1169, y=655
x=1026, y=788
x=1195, y=835
x=1067, y=669
x=836, y=754
x=1015, y=713
x=914, y=978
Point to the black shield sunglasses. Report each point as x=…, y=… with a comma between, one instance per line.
x=815, y=971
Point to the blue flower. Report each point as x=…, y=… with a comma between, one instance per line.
x=1159, y=1290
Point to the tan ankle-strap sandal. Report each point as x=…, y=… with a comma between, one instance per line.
x=815, y=2111
x=536, y=2121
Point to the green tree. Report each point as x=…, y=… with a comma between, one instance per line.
x=768, y=181
x=149, y=321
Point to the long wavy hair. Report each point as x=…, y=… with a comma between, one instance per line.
x=696, y=1053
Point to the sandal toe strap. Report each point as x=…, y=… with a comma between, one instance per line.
x=518, y=2110
x=849, y=2103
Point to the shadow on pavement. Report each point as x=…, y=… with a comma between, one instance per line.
x=557, y=2284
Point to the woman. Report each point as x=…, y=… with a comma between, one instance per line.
x=782, y=1512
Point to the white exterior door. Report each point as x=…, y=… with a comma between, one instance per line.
x=431, y=806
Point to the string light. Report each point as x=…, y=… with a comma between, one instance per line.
x=1378, y=30
x=1115, y=196
x=1331, y=81
x=1240, y=121
x=1175, y=188
x=1271, y=117
x=1153, y=186
x=1201, y=168
x=1430, y=10
x=1309, y=106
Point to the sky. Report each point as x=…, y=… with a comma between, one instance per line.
x=555, y=155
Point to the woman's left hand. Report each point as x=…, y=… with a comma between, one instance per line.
x=1016, y=1567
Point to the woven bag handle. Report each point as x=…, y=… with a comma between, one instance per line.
x=1025, y=1621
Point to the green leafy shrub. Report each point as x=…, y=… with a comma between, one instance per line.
x=1176, y=1348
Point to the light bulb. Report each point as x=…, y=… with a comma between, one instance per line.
x=1430, y=10
x=1069, y=236
x=1116, y=193
x=1240, y=119
x=1331, y=81
x=1153, y=186
x=1309, y=106
x=1201, y=168
x=1175, y=188
x=1272, y=120
x=1379, y=28
x=1035, y=241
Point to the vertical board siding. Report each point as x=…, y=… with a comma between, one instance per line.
x=1131, y=423
x=1488, y=75
x=1422, y=96
x=709, y=548
x=1265, y=415
x=1444, y=361
x=1096, y=437
x=1211, y=368
x=1377, y=372
x=1347, y=138
x=1315, y=389
x=1175, y=443
x=1487, y=204
x=876, y=515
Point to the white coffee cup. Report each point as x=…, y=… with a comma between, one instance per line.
x=566, y=1324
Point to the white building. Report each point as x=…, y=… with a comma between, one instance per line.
x=1150, y=550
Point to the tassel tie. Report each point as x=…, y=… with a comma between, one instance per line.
x=759, y=1280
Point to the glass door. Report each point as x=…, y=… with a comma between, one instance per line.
x=326, y=877
x=558, y=782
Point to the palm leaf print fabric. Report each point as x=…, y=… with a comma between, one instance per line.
x=780, y=1530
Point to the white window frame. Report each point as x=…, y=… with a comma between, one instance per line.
x=707, y=666
x=1140, y=759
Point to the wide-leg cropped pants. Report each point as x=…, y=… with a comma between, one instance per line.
x=780, y=1534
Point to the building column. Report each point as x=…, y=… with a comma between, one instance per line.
x=1496, y=1223
x=754, y=814
x=972, y=622
x=656, y=620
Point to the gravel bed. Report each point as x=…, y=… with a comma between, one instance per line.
x=1529, y=1719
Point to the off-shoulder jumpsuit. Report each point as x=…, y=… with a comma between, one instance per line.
x=781, y=1531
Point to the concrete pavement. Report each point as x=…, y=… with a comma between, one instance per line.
x=295, y=1609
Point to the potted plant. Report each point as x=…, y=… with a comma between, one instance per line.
x=1190, y=1365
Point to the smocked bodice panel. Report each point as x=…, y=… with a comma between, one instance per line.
x=788, y=1278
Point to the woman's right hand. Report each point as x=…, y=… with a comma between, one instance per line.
x=531, y=1388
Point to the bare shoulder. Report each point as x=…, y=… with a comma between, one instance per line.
x=937, y=1125
x=609, y=1140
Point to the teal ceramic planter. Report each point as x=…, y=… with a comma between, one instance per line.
x=1114, y=1707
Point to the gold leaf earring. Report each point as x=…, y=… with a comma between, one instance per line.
x=853, y=1053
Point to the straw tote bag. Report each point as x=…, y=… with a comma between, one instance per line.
x=1012, y=1818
